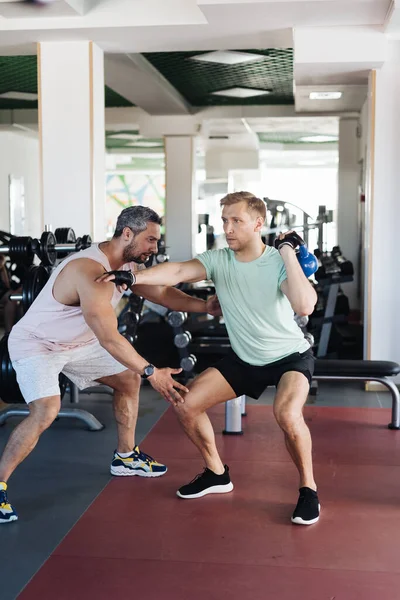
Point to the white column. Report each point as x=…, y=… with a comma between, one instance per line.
x=180, y=197
x=382, y=293
x=348, y=229
x=71, y=130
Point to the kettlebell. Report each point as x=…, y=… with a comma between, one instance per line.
x=307, y=260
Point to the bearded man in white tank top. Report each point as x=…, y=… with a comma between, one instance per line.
x=71, y=327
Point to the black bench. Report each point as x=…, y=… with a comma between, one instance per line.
x=380, y=371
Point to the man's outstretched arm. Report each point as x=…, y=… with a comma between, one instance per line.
x=169, y=273
x=155, y=284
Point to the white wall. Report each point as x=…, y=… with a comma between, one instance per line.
x=363, y=140
x=180, y=193
x=19, y=156
x=348, y=227
x=382, y=308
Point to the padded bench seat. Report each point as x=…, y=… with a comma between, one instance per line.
x=356, y=368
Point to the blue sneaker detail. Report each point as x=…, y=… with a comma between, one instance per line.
x=138, y=463
x=7, y=513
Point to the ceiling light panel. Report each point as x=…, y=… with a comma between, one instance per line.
x=20, y=96
x=228, y=57
x=239, y=92
x=325, y=95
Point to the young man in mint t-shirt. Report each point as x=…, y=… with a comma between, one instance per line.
x=259, y=288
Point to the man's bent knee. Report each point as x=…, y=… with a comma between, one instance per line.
x=287, y=418
x=126, y=382
x=189, y=409
x=45, y=410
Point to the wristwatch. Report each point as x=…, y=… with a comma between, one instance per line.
x=148, y=371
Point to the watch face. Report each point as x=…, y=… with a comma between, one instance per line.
x=149, y=370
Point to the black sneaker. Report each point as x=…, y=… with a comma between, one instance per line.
x=308, y=507
x=205, y=483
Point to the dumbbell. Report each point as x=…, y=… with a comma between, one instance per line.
x=187, y=363
x=129, y=338
x=345, y=265
x=48, y=247
x=176, y=318
x=130, y=319
x=301, y=321
x=181, y=340
x=310, y=338
x=162, y=258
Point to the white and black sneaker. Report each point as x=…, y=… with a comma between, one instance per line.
x=205, y=483
x=308, y=507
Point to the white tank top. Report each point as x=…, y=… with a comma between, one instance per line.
x=49, y=325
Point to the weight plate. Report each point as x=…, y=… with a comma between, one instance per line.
x=5, y=237
x=20, y=250
x=65, y=235
x=9, y=389
x=86, y=242
x=47, y=253
x=35, y=281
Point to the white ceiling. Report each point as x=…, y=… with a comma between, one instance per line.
x=130, y=27
x=166, y=25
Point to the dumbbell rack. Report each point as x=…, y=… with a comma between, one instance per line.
x=182, y=339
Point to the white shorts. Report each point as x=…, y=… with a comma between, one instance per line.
x=37, y=376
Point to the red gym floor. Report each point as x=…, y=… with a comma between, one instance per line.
x=138, y=540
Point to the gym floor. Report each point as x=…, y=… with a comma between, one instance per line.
x=83, y=534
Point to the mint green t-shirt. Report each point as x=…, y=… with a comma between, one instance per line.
x=258, y=316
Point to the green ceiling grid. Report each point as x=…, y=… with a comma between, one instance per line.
x=196, y=80
x=114, y=100
x=19, y=74
x=283, y=137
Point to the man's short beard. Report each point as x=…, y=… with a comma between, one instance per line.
x=129, y=254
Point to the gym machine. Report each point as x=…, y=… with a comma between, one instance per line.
x=284, y=215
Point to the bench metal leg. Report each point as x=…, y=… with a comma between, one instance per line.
x=244, y=413
x=90, y=420
x=233, y=416
x=74, y=393
x=395, y=423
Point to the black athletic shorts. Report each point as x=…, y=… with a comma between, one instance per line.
x=252, y=381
